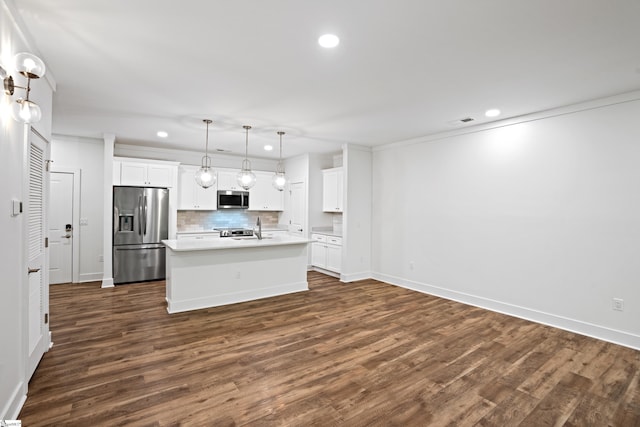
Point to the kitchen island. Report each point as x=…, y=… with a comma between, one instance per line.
x=221, y=271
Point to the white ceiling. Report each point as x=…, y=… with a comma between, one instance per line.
x=403, y=69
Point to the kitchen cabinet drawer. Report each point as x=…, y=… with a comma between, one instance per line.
x=319, y=238
x=334, y=240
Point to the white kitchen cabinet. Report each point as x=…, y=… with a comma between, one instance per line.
x=326, y=252
x=263, y=197
x=332, y=189
x=193, y=197
x=146, y=174
x=228, y=180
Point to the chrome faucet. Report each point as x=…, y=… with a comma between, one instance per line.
x=259, y=232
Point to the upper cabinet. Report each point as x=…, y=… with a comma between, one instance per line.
x=190, y=195
x=144, y=174
x=263, y=197
x=228, y=180
x=332, y=189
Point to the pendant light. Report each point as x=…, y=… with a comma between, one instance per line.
x=205, y=176
x=246, y=178
x=279, y=181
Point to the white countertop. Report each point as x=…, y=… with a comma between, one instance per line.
x=326, y=231
x=233, y=243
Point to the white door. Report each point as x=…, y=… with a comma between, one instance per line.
x=36, y=224
x=60, y=228
x=298, y=211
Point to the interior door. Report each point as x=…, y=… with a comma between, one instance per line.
x=37, y=270
x=60, y=228
x=298, y=202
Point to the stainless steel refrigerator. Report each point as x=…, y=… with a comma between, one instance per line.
x=140, y=222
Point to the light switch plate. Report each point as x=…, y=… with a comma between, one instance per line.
x=16, y=207
x=84, y=221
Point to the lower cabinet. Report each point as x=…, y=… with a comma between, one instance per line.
x=326, y=252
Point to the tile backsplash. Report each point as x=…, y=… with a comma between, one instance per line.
x=208, y=220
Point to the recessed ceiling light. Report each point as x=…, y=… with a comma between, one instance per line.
x=162, y=134
x=268, y=147
x=494, y=112
x=329, y=40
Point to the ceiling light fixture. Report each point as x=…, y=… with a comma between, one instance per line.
x=268, y=148
x=329, y=41
x=162, y=134
x=30, y=66
x=205, y=176
x=493, y=112
x=279, y=181
x=246, y=178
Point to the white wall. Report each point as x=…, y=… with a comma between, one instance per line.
x=13, y=280
x=539, y=218
x=85, y=155
x=357, y=216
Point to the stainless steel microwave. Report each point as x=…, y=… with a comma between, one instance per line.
x=233, y=199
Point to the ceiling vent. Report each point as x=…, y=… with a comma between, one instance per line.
x=467, y=119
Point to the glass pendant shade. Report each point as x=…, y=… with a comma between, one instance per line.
x=279, y=180
x=206, y=176
x=25, y=111
x=246, y=178
x=29, y=65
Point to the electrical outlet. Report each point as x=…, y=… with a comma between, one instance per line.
x=100, y=258
x=618, y=304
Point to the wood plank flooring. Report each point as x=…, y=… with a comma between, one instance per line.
x=358, y=354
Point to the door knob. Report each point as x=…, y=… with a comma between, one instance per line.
x=33, y=270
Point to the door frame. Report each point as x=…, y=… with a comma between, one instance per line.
x=75, y=272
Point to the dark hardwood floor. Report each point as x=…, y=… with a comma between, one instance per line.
x=358, y=354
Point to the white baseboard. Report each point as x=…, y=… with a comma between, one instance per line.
x=232, y=298
x=108, y=283
x=352, y=277
x=583, y=328
x=327, y=272
x=90, y=277
x=12, y=408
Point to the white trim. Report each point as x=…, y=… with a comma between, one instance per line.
x=352, y=277
x=75, y=219
x=554, y=112
x=327, y=272
x=107, y=283
x=233, y=298
x=583, y=328
x=90, y=277
x=12, y=408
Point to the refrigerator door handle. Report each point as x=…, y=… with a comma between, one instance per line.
x=144, y=232
x=140, y=215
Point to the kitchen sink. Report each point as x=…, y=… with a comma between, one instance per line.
x=251, y=238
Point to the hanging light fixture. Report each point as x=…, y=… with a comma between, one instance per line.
x=246, y=178
x=205, y=176
x=30, y=66
x=279, y=181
